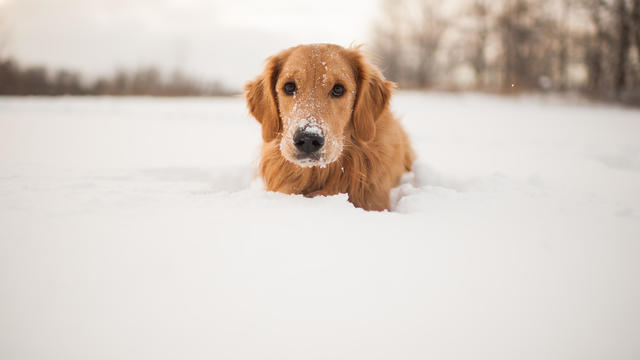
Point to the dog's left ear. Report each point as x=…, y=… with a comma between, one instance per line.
x=372, y=96
x=262, y=98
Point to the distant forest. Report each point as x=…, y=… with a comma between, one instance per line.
x=38, y=80
x=510, y=46
x=591, y=47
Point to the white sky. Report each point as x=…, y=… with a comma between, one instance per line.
x=212, y=39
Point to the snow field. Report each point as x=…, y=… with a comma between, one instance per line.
x=134, y=228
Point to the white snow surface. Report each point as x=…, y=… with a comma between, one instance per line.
x=134, y=229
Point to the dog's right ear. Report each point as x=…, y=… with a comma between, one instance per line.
x=262, y=98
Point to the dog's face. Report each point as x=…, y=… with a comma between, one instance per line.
x=314, y=99
x=315, y=90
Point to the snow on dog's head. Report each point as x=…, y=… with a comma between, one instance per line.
x=305, y=101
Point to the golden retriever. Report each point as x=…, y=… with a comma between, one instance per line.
x=326, y=126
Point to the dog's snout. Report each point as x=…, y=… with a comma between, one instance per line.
x=308, y=141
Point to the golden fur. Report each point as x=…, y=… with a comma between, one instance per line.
x=366, y=150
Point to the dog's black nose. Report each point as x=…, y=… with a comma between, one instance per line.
x=308, y=141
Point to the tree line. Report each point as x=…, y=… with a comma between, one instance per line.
x=39, y=80
x=588, y=46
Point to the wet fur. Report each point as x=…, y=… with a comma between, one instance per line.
x=376, y=149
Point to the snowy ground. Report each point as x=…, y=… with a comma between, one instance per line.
x=132, y=229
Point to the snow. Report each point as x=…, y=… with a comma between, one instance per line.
x=313, y=129
x=134, y=229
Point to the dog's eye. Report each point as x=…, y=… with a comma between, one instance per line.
x=337, y=91
x=289, y=88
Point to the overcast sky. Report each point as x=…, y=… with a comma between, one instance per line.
x=212, y=39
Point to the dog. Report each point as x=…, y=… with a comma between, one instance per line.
x=326, y=126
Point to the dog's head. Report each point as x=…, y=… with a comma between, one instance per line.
x=315, y=99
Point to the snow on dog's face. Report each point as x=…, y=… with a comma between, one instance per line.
x=315, y=90
x=305, y=100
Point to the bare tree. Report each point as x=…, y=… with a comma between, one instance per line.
x=407, y=38
x=635, y=22
x=426, y=33
x=9, y=78
x=146, y=80
x=595, y=46
x=623, y=46
x=388, y=42
x=67, y=82
x=564, y=35
x=477, y=40
x=516, y=36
